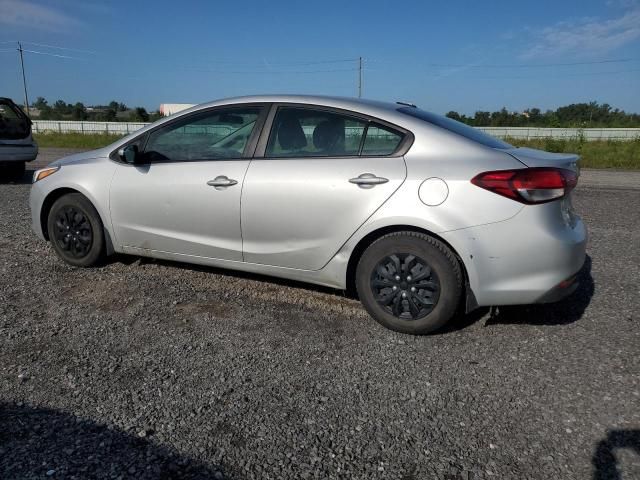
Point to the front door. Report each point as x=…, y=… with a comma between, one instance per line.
x=184, y=195
x=323, y=174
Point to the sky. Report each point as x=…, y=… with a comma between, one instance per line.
x=454, y=55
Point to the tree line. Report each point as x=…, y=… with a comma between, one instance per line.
x=576, y=115
x=113, y=112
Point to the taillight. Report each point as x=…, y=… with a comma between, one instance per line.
x=529, y=185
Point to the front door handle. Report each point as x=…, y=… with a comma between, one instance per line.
x=368, y=180
x=221, y=182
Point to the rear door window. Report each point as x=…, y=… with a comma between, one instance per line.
x=307, y=132
x=14, y=124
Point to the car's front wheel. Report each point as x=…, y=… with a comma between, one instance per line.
x=76, y=231
x=409, y=282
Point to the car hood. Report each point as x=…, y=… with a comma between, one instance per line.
x=82, y=157
x=539, y=158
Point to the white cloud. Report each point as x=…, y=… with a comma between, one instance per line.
x=29, y=15
x=585, y=37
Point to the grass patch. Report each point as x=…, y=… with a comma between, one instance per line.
x=87, y=141
x=595, y=154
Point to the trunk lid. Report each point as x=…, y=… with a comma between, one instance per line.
x=539, y=158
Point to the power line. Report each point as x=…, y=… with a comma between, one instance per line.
x=524, y=77
x=521, y=65
x=269, y=64
x=275, y=72
x=552, y=77
x=317, y=62
x=60, y=48
x=53, y=54
x=537, y=65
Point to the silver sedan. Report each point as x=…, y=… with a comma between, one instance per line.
x=421, y=216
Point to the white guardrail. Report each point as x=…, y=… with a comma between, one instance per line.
x=123, y=128
x=69, y=126
x=542, y=132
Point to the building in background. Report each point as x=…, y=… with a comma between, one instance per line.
x=167, y=109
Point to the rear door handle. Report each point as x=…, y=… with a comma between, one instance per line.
x=221, y=182
x=368, y=180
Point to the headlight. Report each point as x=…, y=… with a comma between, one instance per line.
x=44, y=173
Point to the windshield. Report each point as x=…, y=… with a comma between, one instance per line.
x=456, y=127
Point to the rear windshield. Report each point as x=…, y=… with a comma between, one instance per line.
x=456, y=127
x=14, y=125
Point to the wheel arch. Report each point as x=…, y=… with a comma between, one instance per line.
x=51, y=198
x=368, y=239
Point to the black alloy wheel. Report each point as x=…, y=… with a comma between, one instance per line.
x=410, y=282
x=73, y=233
x=76, y=231
x=405, y=286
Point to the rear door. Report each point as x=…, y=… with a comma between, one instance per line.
x=322, y=174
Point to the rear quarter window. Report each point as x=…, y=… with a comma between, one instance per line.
x=456, y=127
x=381, y=140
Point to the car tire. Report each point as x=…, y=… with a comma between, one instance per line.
x=409, y=282
x=76, y=231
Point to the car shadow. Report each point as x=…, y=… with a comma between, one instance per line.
x=605, y=464
x=564, y=312
x=43, y=443
x=131, y=259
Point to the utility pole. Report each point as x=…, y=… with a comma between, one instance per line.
x=24, y=79
x=359, y=77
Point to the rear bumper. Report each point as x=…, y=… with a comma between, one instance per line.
x=560, y=291
x=17, y=153
x=522, y=260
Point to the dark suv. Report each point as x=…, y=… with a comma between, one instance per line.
x=16, y=143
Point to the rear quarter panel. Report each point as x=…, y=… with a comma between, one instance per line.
x=453, y=159
x=437, y=153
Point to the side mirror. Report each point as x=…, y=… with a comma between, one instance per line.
x=129, y=154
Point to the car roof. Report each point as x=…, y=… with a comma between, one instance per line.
x=383, y=110
x=334, y=101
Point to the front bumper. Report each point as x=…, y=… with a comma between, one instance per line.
x=36, y=199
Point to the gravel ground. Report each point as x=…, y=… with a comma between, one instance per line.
x=145, y=369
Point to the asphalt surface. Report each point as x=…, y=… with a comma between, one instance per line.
x=144, y=369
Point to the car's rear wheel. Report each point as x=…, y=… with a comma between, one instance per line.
x=76, y=231
x=409, y=282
